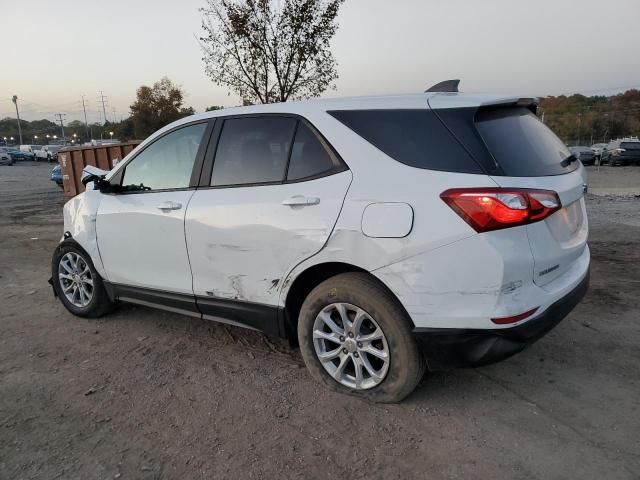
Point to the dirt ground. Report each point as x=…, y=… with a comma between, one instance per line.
x=148, y=394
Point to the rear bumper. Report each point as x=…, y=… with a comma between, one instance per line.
x=461, y=348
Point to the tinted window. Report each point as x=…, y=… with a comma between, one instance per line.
x=308, y=156
x=521, y=144
x=253, y=150
x=167, y=162
x=414, y=137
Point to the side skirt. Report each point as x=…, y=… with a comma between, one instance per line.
x=256, y=316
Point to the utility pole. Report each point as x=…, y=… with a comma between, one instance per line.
x=104, y=110
x=86, y=124
x=579, y=123
x=15, y=100
x=113, y=110
x=60, y=115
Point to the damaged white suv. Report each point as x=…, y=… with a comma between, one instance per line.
x=386, y=234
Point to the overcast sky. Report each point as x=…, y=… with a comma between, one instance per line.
x=52, y=52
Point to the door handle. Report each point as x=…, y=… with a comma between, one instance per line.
x=300, y=200
x=169, y=206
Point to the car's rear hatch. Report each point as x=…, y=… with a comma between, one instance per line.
x=518, y=151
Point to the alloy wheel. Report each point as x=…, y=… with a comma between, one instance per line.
x=75, y=279
x=351, y=346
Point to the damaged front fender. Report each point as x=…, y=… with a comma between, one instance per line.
x=80, y=214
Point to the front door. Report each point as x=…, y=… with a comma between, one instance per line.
x=140, y=230
x=273, y=200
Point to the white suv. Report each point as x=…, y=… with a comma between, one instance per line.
x=386, y=234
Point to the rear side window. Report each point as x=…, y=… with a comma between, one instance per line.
x=253, y=150
x=309, y=158
x=521, y=144
x=414, y=137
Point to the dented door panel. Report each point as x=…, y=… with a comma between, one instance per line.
x=242, y=241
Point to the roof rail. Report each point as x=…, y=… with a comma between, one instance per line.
x=445, y=86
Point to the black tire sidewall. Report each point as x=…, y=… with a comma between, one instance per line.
x=406, y=365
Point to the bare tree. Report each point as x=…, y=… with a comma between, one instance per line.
x=270, y=50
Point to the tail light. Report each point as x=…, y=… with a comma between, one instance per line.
x=514, y=318
x=487, y=209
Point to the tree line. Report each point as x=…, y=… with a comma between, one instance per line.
x=279, y=50
x=578, y=119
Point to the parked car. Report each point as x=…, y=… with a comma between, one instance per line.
x=622, y=152
x=56, y=175
x=597, y=149
x=385, y=234
x=48, y=152
x=20, y=155
x=5, y=158
x=584, y=154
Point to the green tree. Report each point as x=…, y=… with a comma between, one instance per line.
x=580, y=119
x=270, y=50
x=157, y=106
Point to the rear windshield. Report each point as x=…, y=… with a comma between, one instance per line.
x=630, y=145
x=414, y=137
x=521, y=144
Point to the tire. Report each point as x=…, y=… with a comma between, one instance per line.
x=405, y=364
x=99, y=303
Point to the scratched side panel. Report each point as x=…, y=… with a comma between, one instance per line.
x=242, y=241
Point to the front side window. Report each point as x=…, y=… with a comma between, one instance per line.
x=167, y=163
x=253, y=150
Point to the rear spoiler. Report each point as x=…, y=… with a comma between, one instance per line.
x=441, y=99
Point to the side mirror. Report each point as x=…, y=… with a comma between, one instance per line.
x=97, y=176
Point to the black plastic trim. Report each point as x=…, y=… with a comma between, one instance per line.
x=266, y=318
x=175, y=301
x=446, y=348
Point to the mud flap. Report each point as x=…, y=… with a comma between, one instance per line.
x=50, y=281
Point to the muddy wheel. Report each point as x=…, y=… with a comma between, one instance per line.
x=77, y=283
x=356, y=338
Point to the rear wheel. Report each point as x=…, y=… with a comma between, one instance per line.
x=356, y=338
x=77, y=283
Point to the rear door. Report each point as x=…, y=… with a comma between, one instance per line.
x=530, y=155
x=271, y=202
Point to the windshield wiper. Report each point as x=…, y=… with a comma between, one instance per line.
x=569, y=160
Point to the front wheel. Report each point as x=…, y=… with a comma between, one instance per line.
x=356, y=338
x=77, y=283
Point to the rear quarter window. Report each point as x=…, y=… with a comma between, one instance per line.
x=414, y=137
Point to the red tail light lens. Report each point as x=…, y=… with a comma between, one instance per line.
x=514, y=318
x=487, y=209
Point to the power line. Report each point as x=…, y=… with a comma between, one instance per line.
x=60, y=117
x=104, y=110
x=86, y=124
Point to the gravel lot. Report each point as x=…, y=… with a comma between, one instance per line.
x=148, y=394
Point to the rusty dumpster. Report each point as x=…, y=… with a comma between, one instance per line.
x=73, y=159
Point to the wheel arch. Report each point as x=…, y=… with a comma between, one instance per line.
x=310, y=278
